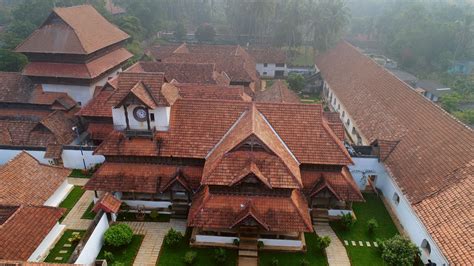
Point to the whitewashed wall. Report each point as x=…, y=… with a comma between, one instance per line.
x=59, y=195
x=335, y=213
x=281, y=242
x=94, y=244
x=47, y=243
x=8, y=154
x=215, y=239
x=148, y=204
x=161, y=123
x=269, y=70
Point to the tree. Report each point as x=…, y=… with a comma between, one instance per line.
x=172, y=238
x=179, y=31
x=205, y=33
x=296, y=82
x=451, y=101
x=10, y=61
x=399, y=250
x=118, y=235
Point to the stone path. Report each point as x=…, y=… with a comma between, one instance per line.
x=73, y=219
x=77, y=181
x=361, y=243
x=154, y=234
x=336, y=252
x=247, y=261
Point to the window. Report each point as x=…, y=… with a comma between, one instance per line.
x=265, y=64
x=348, y=122
x=396, y=198
x=264, y=73
x=280, y=65
x=152, y=117
x=425, y=247
x=338, y=107
x=353, y=130
x=343, y=114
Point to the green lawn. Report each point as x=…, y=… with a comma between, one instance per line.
x=205, y=256
x=71, y=200
x=89, y=214
x=130, y=216
x=79, y=173
x=312, y=255
x=125, y=255
x=364, y=211
x=54, y=252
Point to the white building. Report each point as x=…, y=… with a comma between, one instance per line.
x=424, y=160
x=270, y=62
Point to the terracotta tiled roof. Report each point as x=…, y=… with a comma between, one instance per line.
x=140, y=92
x=99, y=131
x=89, y=70
x=107, y=203
x=27, y=263
x=139, y=177
x=341, y=183
x=432, y=144
x=53, y=151
x=213, y=92
x=277, y=93
x=24, y=180
x=268, y=55
x=448, y=216
x=76, y=32
x=220, y=211
x=24, y=230
x=190, y=120
x=16, y=88
x=61, y=126
x=222, y=166
x=335, y=123
x=99, y=106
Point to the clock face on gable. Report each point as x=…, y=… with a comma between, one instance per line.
x=140, y=114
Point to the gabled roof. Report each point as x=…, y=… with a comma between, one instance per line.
x=25, y=229
x=73, y=30
x=277, y=213
x=24, y=180
x=278, y=92
x=251, y=169
x=268, y=55
x=252, y=123
x=140, y=92
x=108, y=203
x=249, y=211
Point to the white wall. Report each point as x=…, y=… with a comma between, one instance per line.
x=281, y=242
x=403, y=210
x=334, y=212
x=6, y=155
x=73, y=159
x=59, y=195
x=270, y=70
x=161, y=123
x=47, y=243
x=215, y=239
x=94, y=244
x=148, y=204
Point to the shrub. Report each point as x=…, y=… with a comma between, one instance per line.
x=399, y=250
x=304, y=262
x=275, y=261
x=108, y=256
x=118, y=235
x=173, y=238
x=260, y=244
x=372, y=224
x=154, y=215
x=236, y=242
x=322, y=242
x=220, y=255
x=347, y=221
x=190, y=257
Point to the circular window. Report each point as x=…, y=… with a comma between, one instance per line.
x=140, y=114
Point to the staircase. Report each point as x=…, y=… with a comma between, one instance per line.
x=179, y=210
x=320, y=215
x=248, y=252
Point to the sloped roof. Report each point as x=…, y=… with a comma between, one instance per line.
x=73, y=30
x=213, y=92
x=268, y=55
x=24, y=180
x=432, y=144
x=108, y=203
x=191, y=119
x=277, y=93
x=25, y=229
x=279, y=214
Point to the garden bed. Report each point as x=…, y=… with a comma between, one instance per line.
x=313, y=255
x=373, y=208
x=71, y=200
x=89, y=214
x=205, y=256
x=80, y=173
x=132, y=217
x=65, y=246
x=123, y=255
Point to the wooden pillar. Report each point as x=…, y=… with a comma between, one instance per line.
x=148, y=119
x=126, y=116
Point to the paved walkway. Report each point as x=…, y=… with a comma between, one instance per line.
x=77, y=181
x=73, y=219
x=154, y=234
x=246, y=261
x=336, y=252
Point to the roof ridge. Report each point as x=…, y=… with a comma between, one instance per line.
x=338, y=142
x=296, y=193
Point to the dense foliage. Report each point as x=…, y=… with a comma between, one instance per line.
x=399, y=250
x=322, y=242
x=372, y=225
x=118, y=235
x=172, y=238
x=347, y=221
x=205, y=33
x=220, y=256
x=190, y=257
x=296, y=82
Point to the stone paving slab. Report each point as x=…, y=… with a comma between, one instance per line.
x=336, y=252
x=367, y=243
x=73, y=219
x=77, y=181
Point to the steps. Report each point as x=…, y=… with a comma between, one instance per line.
x=248, y=253
x=179, y=210
x=320, y=216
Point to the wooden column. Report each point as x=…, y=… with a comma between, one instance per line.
x=148, y=119
x=126, y=116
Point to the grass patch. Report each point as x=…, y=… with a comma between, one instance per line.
x=71, y=200
x=205, y=256
x=126, y=254
x=80, y=173
x=301, y=56
x=364, y=211
x=54, y=252
x=132, y=217
x=313, y=255
x=89, y=214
